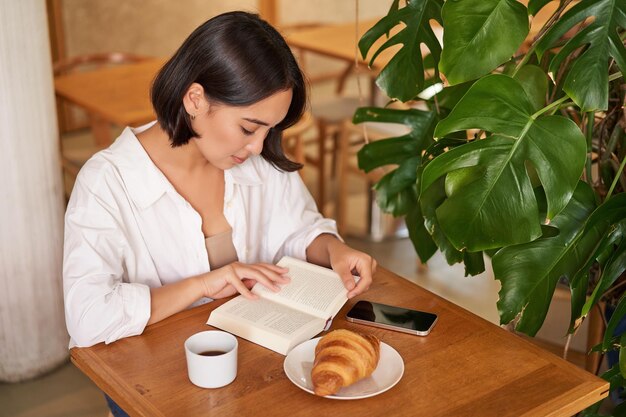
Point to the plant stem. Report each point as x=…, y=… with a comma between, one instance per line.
x=589, y=133
x=524, y=60
x=436, y=104
x=556, y=15
x=610, y=147
x=617, y=175
x=565, y=105
x=544, y=29
x=549, y=107
x=566, y=347
x=612, y=289
x=615, y=76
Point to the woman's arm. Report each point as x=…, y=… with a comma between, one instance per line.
x=223, y=282
x=327, y=250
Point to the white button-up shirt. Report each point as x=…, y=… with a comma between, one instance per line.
x=128, y=230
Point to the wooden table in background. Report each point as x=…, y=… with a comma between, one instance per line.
x=465, y=367
x=117, y=95
x=335, y=41
x=340, y=42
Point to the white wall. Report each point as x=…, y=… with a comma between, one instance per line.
x=33, y=338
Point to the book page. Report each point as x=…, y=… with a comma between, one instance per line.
x=266, y=323
x=313, y=289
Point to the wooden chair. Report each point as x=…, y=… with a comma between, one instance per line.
x=293, y=140
x=351, y=140
x=329, y=116
x=73, y=159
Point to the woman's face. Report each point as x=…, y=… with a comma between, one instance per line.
x=229, y=134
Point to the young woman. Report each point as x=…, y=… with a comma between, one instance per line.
x=199, y=204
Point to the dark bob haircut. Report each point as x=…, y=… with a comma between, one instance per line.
x=239, y=59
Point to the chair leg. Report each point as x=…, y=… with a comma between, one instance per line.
x=101, y=131
x=321, y=180
x=342, y=178
x=298, y=151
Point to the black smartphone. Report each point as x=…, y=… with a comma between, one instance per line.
x=392, y=318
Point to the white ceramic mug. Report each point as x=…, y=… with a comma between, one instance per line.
x=211, y=358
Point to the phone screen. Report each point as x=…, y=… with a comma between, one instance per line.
x=390, y=316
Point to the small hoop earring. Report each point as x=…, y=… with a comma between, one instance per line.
x=193, y=116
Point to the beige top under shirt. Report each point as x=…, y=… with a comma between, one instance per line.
x=221, y=249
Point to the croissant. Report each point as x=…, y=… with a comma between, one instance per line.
x=343, y=357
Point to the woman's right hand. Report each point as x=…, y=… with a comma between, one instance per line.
x=240, y=278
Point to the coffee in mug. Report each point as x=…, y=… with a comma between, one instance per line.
x=211, y=358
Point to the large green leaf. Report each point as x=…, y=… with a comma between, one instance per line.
x=474, y=263
x=579, y=282
x=602, y=243
x=403, y=76
x=422, y=241
x=479, y=36
x=430, y=199
x=395, y=192
x=490, y=200
x=587, y=78
x=535, y=84
x=529, y=272
x=614, y=266
x=395, y=150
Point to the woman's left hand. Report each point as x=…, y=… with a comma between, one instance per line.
x=347, y=262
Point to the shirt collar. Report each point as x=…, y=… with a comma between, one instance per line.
x=146, y=183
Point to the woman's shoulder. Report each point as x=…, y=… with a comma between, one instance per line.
x=107, y=167
x=103, y=162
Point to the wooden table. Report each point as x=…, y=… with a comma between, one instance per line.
x=117, y=95
x=465, y=367
x=340, y=42
x=334, y=41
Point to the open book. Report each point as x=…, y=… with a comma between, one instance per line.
x=280, y=321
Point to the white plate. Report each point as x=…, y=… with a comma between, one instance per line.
x=299, y=362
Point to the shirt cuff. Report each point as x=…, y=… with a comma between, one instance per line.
x=136, y=302
x=324, y=226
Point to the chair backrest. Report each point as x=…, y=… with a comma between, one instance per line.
x=293, y=137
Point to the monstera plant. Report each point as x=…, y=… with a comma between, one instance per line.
x=518, y=154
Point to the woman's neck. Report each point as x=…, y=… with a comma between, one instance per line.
x=157, y=144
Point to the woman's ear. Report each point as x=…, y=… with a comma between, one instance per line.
x=195, y=101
